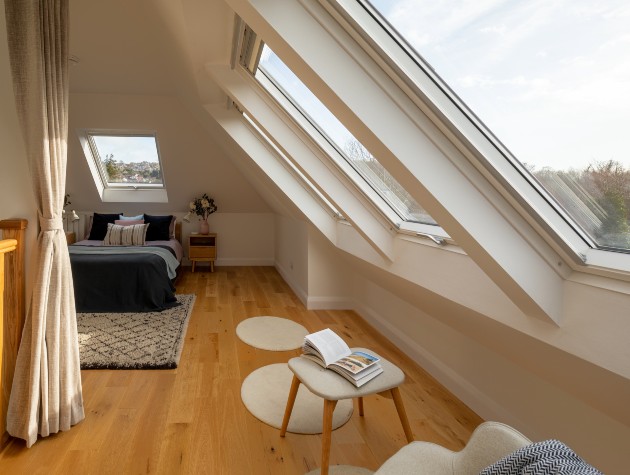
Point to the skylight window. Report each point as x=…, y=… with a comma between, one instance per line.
x=127, y=161
x=347, y=147
x=309, y=185
x=550, y=80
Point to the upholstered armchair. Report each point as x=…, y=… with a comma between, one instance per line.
x=489, y=442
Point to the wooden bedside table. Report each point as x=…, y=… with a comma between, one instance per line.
x=202, y=248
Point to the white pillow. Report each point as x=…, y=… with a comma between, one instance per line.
x=131, y=218
x=125, y=235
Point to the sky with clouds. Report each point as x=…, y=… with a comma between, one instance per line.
x=550, y=78
x=127, y=149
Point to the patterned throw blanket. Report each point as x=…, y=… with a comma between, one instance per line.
x=550, y=457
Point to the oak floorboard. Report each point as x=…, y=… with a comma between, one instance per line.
x=191, y=420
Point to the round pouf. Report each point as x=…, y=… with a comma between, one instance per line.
x=266, y=390
x=343, y=470
x=271, y=333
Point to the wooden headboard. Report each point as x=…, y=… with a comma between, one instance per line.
x=178, y=230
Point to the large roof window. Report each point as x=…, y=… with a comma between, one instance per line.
x=347, y=148
x=551, y=81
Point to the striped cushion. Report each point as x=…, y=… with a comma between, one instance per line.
x=125, y=235
x=542, y=458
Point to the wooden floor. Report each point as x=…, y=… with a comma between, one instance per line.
x=191, y=419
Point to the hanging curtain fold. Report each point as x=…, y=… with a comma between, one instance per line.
x=46, y=395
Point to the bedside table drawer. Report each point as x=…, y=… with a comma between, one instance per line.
x=200, y=252
x=202, y=240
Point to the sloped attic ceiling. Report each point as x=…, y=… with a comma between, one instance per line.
x=146, y=47
x=143, y=65
x=134, y=70
x=163, y=69
x=313, y=52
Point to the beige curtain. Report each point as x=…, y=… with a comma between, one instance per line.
x=46, y=394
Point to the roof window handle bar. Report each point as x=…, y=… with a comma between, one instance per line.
x=439, y=240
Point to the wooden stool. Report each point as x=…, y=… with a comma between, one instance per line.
x=333, y=387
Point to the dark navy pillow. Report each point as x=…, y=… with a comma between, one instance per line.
x=159, y=227
x=99, y=225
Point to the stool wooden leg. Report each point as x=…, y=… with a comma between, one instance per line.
x=295, y=385
x=360, y=406
x=329, y=408
x=402, y=414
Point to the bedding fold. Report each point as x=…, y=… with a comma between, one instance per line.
x=167, y=254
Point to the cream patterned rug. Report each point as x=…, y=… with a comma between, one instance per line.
x=266, y=390
x=146, y=340
x=271, y=333
x=343, y=470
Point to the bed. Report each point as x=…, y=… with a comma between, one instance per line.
x=126, y=278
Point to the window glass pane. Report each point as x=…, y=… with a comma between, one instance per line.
x=126, y=159
x=551, y=80
x=349, y=148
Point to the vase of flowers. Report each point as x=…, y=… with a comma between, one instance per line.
x=202, y=207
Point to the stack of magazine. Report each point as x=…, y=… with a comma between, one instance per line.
x=328, y=349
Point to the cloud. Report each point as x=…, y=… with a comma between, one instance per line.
x=519, y=81
x=622, y=40
x=440, y=20
x=532, y=68
x=496, y=29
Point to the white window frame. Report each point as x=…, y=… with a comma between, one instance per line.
x=249, y=61
x=429, y=92
x=338, y=156
x=305, y=125
x=288, y=164
x=307, y=156
x=121, y=192
x=309, y=126
x=456, y=194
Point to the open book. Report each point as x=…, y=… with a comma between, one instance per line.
x=327, y=349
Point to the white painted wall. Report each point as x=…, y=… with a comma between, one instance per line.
x=328, y=282
x=16, y=196
x=501, y=373
x=243, y=239
x=192, y=162
x=291, y=254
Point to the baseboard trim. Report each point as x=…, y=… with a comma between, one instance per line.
x=328, y=303
x=299, y=291
x=235, y=262
x=463, y=389
x=245, y=261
